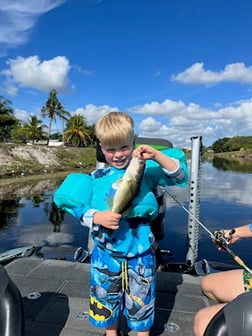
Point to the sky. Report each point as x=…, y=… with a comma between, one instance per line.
x=180, y=68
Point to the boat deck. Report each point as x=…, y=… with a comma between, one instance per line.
x=56, y=299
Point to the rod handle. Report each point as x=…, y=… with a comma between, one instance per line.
x=239, y=260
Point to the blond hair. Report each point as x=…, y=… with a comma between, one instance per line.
x=114, y=128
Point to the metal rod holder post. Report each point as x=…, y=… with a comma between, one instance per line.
x=194, y=201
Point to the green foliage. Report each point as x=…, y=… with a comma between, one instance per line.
x=7, y=119
x=219, y=145
x=56, y=136
x=32, y=130
x=17, y=134
x=77, y=131
x=235, y=143
x=54, y=108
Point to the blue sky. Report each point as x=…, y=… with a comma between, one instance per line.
x=180, y=68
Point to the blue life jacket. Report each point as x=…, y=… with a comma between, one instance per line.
x=81, y=192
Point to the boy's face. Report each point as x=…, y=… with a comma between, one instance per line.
x=118, y=156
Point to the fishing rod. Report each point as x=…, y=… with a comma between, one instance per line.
x=217, y=237
x=222, y=242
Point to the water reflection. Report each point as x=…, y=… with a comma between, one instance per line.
x=240, y=165
x=56, y=217
x=36, y=220
x=225, y=203
x=8, y=213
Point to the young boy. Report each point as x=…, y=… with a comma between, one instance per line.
x=123, y=262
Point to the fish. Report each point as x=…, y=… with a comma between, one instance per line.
x=128, y=185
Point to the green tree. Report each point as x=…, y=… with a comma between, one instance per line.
x=18, y=134
x=56, y=136
x=77, y=131
x=33, y=129
x=236, y=143
x=53, y=108
x=220, y=145
x=7, y=119
x=92, y=133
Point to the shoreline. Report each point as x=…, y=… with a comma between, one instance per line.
x=28, y=161
x=30, y=186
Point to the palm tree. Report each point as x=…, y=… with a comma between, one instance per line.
x=7, y=118
x=34, y=129
x=64, y=115
x=92, y=134
x=52, y=109
x=77, y=131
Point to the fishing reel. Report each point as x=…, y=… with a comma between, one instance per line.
x=221, y=240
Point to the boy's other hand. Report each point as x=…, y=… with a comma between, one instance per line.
x=108, y=219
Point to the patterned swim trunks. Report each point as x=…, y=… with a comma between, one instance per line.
x=247, y=280
x=122, y=285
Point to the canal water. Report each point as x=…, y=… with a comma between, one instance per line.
x=225, y=202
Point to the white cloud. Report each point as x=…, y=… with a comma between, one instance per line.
x=92, y=113
x=22, y=115
x=41, y=75
x=196, y=74
x=9, y=89
x=149, y=125
x=82, y=71
x=194, y=120
x=165, y=120
x=159, y=108
x=18, y=17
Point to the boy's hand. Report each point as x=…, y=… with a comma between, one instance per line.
x=108, y=219
x=145, y=152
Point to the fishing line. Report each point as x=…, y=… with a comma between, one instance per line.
x=189, y=212
x=220, y=240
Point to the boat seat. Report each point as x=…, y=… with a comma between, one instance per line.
x=234, y=319
x=11, y=307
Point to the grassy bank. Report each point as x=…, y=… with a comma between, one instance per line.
x=37, y=160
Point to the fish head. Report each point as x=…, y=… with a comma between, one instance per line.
x=136, y=168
